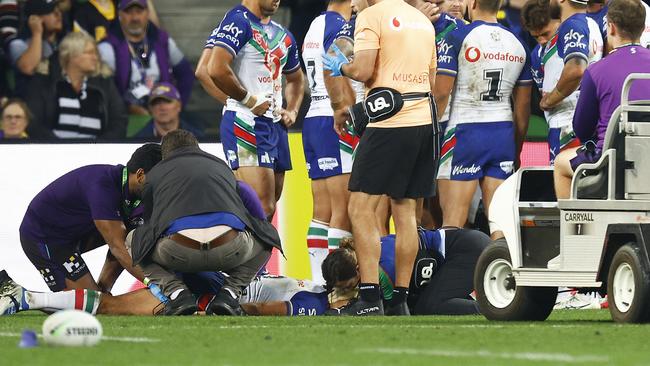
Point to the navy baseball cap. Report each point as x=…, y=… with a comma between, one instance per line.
x=128, y=3
x=164, y=90
x=40, y=7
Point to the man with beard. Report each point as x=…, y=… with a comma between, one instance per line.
x=249, y=54
x=141, y=55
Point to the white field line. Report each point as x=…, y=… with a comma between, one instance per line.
x=528, y=356
x=105, y=338
x=366, y=326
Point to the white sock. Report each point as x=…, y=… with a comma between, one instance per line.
x=334, y=237
x=317, y=247
x=80, y=299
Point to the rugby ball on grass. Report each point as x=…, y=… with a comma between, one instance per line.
x=72, y=328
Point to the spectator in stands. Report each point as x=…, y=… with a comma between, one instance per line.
x=165, y=107
x=15, y=118
x=94, y=17
x=141, y=55
x=39, y=39
x=600, y=88
x=8, y=20
x=77, y=102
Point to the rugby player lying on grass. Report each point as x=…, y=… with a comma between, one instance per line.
x=442, y=277
x=266, y=295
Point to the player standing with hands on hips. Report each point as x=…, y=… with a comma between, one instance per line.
x=398, y=152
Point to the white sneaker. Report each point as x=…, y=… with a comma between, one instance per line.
x=11, y=295
x=577, y=300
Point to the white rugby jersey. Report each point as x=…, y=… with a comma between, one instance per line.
x=577, y=36
x=443, y=26
x=262, y=52
x=488, y=61
x=323, y=31
x=302, y=296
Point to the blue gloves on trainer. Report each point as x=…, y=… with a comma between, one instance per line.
x=335, y=62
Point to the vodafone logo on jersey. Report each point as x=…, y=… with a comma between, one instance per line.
x=395, y=24
x=472, y=54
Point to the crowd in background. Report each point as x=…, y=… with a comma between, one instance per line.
x=57, y=84
x=83, y=70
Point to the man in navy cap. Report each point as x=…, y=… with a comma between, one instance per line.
x=142, y=55
x=81, y=211
x=165, y=108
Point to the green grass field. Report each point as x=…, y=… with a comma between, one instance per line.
x=569, y=337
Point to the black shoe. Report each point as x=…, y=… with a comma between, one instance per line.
x=183, y=304
x=358, y=307
x=224, y=303
x=400, y=309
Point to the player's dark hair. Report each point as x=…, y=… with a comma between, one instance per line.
x=177, y=139
x=535, y=14
x=489, y=5
x=145, y=158
x=339, y=265
x=628, y=16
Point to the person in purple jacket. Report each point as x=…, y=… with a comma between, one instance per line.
x=600, y=89
x=141, y=55
x=82, y=210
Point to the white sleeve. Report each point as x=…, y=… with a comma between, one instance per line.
x=175, y=54
x=107, y=54
x=16, y=49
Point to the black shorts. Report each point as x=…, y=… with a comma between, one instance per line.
x=55, y=262
x=399, y=162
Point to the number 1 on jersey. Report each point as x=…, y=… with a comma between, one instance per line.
x=494, y=85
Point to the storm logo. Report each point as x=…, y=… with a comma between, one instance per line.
x=396, y=23
x=472, y=54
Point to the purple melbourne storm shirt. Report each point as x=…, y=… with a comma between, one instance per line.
x=63, y=212
x=600, y=90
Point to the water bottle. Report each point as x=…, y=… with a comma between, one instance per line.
x=155, y=290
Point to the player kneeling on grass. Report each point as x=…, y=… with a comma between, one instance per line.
x=266, y=295
x=86, y=208
x=443, y=272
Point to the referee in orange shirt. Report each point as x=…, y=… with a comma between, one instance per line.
x=394, y=47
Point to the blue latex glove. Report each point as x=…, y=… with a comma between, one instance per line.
x=334, y=63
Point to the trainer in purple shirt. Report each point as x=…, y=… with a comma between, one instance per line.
x=601, y=86
x=82, y=210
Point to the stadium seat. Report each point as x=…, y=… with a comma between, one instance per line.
x=627, y=141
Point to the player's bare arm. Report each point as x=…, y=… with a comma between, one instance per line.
x=521, y=114
x=568, y=83
x=224, y=79
x=362, y=67
x=114, y=232
x=442, y=86
x=341, y=97
x=294, y=92
x=204, y=78
x=278, y=308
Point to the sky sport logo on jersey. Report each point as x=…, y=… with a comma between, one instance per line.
x=444, y=51
x=473, y=54
x=574, y=39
